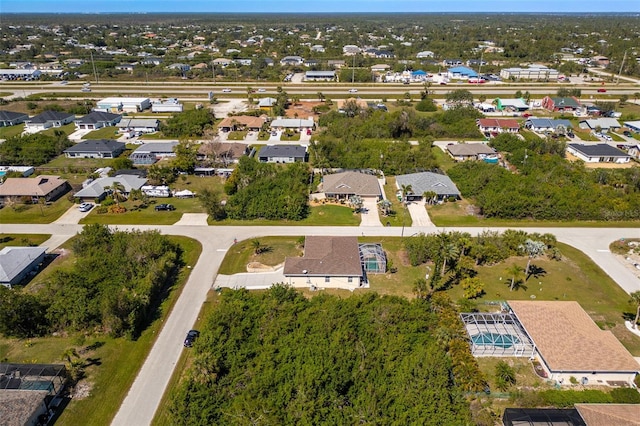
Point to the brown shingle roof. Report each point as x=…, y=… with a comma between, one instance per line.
x=219, y=149
x=349, y=183
x=469, y=149
x=242, y=120
x=496, y=122
x=17, y=406
x=610, y=414
x=569, y=340
x=39, y=186
x=326, y=256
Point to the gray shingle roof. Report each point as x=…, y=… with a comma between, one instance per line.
x=295, y=151
x=50, y=116
x=13, y=260
x=97, y=117
x=10, y=115
x=326, y=256
x=598, y=150
x=97, y=145
x=351, y=183
x=96, y=188
x=428, y=181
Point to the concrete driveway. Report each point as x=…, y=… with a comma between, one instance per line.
x=193, y=219
x=369, y=215
x=419, y=214
x=250, y=280
x=72, y=216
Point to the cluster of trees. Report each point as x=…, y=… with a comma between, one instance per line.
x=279, y=358
x=115, y=284
x=188, y=123
x=268, y=191
x=546, y=186
x=454, y=256
x=33, y=150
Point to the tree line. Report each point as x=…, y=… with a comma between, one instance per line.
x=33, y=150
x=114, y=286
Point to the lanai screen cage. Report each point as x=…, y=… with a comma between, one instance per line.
x=497, y=334
x=373, y=258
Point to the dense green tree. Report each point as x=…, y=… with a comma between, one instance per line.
x=33, y=150
x=188, y=123
x=21, y=314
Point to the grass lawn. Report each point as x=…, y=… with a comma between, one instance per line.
x=277, y=249
x=35, y=213
x=295, y=136
x=444, y=160
x=238, y=135
x=399, y=213
x=67, y=129
x=116, y=361
x=22, y=239
x=457, y=214
x=109, y=132
x=63, y=162
x=321, y=215
x=153, y=136
x=11, y=131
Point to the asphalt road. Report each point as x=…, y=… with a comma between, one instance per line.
x=145, y=394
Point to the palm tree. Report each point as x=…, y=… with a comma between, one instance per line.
x=385, y=205
x=257, y=246
x=449, y=252
x=117, y=190
x=356, y=202
x=429, y=196
x=514, y=272
x=533, y=249
x=420, y=287
x=635, y=299
x=406, y=189
x=320, y=96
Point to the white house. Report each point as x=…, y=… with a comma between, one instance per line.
x=598, y=153
x=122, y=104
x=47, y=120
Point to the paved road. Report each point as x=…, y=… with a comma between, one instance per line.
x=143, y=398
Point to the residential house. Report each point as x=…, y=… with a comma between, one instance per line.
x=282, y=154
x=425, y=54
x=241, y=122
x=48, y=188
x=142, y=125
x=511, y=104
x=10, y=118
x=299, y=124
x=426, y=182
x=97, y=190
x=344, y=185
x=318, y=48
x=452, y=62
x=243, y=62
x=543, y=125
x=336, y=63
x=598, y=153
x=603, y=124
x=291, y=60
x=47, y=120
x=634, y=126
x=17, y=262
x=320, y=75
x=578, y=415
x=98, y=148
x=267, y=103
x=97, y=120
x=380, y=68
x=328, y=262
x=570, y=346
x=225, y=153
x=149, y=153
x=494, y=126
x=471, y=151
x=561, y=104
x=311, y=63
x=222, y=62
x=350, y=50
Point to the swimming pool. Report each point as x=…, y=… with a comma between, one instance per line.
x=498, y=340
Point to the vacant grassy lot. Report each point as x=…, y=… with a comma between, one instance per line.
x=63, y=163
x=22, y=239
x=276, y=250
x=67, y=129
x=11, y=131
x=34, y=213
x=399, y=215
x=109, y=132
x=111, y=364
x=320, y=215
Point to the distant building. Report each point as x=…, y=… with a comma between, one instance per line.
x=320, y=75
x=99, y=148
x=170, y=105
x=534, y=72
x=123, y=104
x=97, y=120
x=20, y=74
x=10, y=118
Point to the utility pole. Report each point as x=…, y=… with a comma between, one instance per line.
x=624, y=58
x=93, y=64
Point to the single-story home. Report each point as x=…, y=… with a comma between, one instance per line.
x=46, y=120
x=96, y=148
x=292, y=123
x=97, y=190
x=328, y=262
x=578, y=415
x=347, y=184
x=10, y=118
x=380, y=68
x=123, y=104
x=149, y=153
x=496, y=125
x=541, y=125
x=461, y=73
x=222, y=152
x=598, y=153
x=97, y=120
x=241, y=122
x=44, y=187
x=569, y=345
x=320, y=75
x=17, y=262
x=425, y=182
x=470, y=151
x=25, y=171
x=144, y=125
x=282, y=154
x=291, y=60
x=605, y=124
x=267, y=103
x=561, y=104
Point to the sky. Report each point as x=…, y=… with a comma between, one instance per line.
x=329, y=6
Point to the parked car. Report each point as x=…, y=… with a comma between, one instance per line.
x=165, y=207
x=601, y=90
x=607, y=138
x=226, y=90
x=570, y=135
x=192, y=335
x=627, y=134
x=85, y=89
x=85, y=207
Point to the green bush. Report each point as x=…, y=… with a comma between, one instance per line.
x=625, y=396
x=568, y=398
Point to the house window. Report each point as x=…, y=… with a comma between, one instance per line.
x=350, y=279
x=327, y=279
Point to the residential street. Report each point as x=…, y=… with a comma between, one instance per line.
x=146, y=392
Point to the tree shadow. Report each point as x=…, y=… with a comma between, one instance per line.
x=536, y=271
x=92, y=361
x=518, y=284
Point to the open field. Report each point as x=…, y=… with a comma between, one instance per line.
x=11, y=131
x=111, y=364
x=109, y=132
x=7, y=240
x=320, y=215
x=34, y=213
x=401, y=216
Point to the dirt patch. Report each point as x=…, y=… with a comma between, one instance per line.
x=82, y=390
x=261, y=267
x=302, y=110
